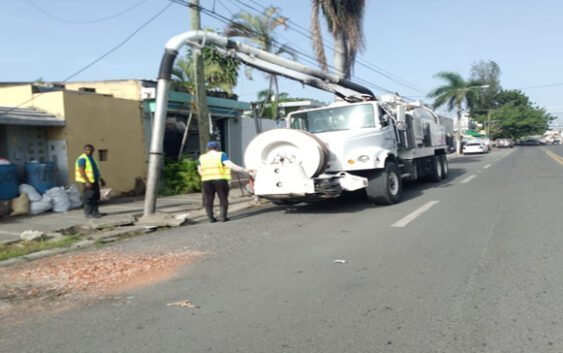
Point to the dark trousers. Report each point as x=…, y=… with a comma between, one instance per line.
x=221, y=188
x=91, y=198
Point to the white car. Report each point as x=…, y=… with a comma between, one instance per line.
x=475, y=147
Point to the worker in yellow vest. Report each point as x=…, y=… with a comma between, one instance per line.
x=214, y=167
x=87, y=173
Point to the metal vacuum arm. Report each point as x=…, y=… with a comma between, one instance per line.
x=251, y=56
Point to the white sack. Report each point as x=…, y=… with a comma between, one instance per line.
x=60, y=200
x=41, y=206
x=32, y=194
x=74, y=196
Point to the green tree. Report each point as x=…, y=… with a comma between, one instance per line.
x=488, y=73
x=260, y=30
x=514, y=115
x=344, y=19
x=456, y=93
x=221, y=73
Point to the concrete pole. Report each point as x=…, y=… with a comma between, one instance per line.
x=157, y=146
x=458, y=133
x=200, y=91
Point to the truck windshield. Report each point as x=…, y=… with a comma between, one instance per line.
x=352, y=117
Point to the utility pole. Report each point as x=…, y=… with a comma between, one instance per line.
x=200, y=92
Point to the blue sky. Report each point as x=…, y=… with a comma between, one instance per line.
x=410, y=39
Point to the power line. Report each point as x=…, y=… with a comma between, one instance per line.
x=226, y=20
x=304, y=32
x=106, y=18
x=122, y=43
x=542, y=86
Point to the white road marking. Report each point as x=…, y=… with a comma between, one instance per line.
x=468, y=179
x=487, y=166
x=411, y=217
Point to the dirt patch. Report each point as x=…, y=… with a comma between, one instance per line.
x=65, y=280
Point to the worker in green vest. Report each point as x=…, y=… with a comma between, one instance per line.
x=87, y=173
x=214, y=167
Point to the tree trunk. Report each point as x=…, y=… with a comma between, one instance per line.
x=340, y=55
x=275, y=101
x=458, y=133
x=200, y=91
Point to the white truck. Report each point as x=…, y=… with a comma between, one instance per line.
x=359, y=142
x=346, y=146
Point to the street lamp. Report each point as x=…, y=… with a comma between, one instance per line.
x=458, y=133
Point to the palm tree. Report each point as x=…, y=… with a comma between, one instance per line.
x=456, y=93
x=344, y=19
x=260, y=29
x=220, y=72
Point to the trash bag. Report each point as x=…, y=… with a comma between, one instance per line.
x=32, y=194
x=20, y=205
x=59, y=199
x=74, y=196
x=41, y=206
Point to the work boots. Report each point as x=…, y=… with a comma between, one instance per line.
x=209, y=211
x=223, y=216
x=88, y=210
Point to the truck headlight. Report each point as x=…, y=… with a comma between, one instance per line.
x=363, y=158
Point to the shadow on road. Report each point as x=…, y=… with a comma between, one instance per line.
x=351, y=202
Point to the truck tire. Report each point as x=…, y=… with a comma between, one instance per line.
x=385, y=187
x=436, y=169
x=445, y=166
x=293, y=144
x=282, y=202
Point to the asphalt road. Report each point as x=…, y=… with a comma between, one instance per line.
x=471, y=264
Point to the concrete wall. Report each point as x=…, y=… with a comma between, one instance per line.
x=110, y=124
x=125, y=89
x=241, y=132
x=13, y=96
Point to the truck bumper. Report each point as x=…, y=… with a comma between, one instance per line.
x=291, y=182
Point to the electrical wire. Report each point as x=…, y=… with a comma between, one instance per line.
x=304, y=32
x=226, y=20
x=122, y=43
x=102, y=19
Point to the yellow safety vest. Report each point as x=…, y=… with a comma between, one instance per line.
x=88, y=170
x=212, y=167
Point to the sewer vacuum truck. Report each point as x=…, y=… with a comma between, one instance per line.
x=359, y=142
x=363, y=143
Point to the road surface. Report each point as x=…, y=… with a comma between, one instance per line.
x=471, y=264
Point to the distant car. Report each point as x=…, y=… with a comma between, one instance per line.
x=475, y=147
x=504, y=143
x=487, y=142
x=531, y=142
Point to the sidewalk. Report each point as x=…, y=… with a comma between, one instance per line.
x=118, y=209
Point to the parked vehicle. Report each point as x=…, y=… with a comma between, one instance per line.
x=531, y=142
x=372, y=145
x=361, y=142
x=487, y=142
x=504, y=143
x=475, y=147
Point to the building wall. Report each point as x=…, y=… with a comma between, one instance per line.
x=111, y=125
x=242, y=131
x=125, y=89
x=13, y=96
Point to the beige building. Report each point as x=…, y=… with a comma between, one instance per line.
x=109, y=117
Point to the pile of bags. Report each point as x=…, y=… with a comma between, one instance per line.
x=58, y=199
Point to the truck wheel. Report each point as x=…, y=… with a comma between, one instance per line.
x=444, y=165
x=436, y=173
x=285, y=202
x=296, y=146
x=385, y=187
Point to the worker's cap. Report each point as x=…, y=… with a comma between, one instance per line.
x=213, y=144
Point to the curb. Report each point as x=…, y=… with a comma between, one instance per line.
x=124, y=229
